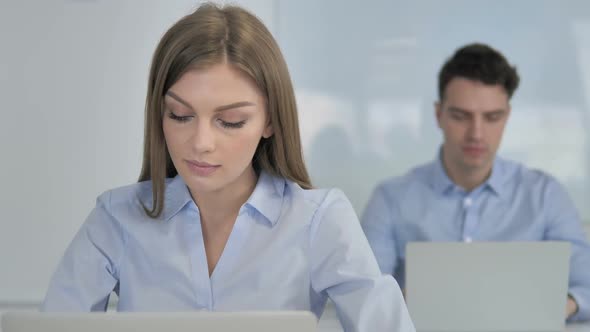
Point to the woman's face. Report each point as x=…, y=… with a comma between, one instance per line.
x=213, y=121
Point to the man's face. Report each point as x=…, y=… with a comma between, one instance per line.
x=472, y=116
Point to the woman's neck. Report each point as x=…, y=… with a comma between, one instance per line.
x=226, y=202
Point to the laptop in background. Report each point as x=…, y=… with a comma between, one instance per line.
x=487, y=286
x=263, y=321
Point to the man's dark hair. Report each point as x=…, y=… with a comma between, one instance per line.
x=478, y=62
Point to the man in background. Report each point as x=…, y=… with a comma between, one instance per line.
x=468, y=193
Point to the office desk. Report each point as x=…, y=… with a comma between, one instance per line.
x=585, y=327
x=329, y=323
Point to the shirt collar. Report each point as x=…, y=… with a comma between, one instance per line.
x=266, y=199
x=498, y=177
x=176, y=197
x=441, y=182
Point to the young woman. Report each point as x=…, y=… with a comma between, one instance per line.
x=224, y=217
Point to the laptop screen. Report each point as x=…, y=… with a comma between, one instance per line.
x=487, y=286
x=271, y=321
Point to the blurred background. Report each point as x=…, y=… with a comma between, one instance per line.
x=73, y=77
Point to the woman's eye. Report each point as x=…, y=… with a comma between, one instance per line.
x=179, y=118
x=232, y=125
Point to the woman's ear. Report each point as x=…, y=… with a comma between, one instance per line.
x=268, y=131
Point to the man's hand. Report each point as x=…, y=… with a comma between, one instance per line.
x=571, y=307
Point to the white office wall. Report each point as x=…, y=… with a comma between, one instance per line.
x=366, y=79
x=73, y=77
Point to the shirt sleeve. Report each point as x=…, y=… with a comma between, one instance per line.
x=377, y=225
x=564, y=225
x=87, y=272
x=344, y=267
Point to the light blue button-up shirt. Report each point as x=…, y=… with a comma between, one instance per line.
x=290, y=249
x=514, y=204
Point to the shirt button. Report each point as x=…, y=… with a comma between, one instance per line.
x=467, y=202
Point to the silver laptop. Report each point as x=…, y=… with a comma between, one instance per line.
x=290, y=321
x=487, y=286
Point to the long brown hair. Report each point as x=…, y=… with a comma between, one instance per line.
x=208, y=36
